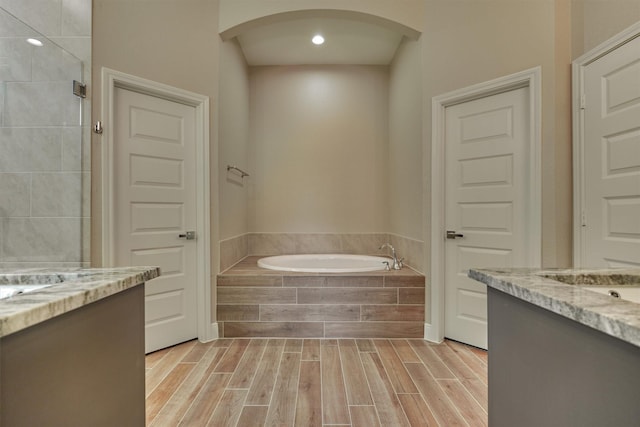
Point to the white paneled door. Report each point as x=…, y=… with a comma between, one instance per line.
x=611, y=217
x=486, y=192
x=155, y=207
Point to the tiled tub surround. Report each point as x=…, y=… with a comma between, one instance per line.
x=255, y=302
x=236, y=248
x=70, y=289
x=560, y=292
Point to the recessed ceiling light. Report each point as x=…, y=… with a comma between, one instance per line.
x=34, y=42
x=317, y=39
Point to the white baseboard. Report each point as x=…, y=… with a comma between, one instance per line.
x=211, y=334
x=431, y=335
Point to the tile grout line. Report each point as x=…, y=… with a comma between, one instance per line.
x=395, y=392
x=204, y=382
x=465, y=387
x=275, y=380
x=453, y=404
x=366, y=378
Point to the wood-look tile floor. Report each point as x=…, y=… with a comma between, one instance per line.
x=317, y=382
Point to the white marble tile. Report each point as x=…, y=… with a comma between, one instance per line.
x=80, y=47
x=76, y=17
x=15, y=60
x=75, y=149
x=31, y=140
x=86, y=240
x=15, y=190
x=56, y=194
x=1, y=107
x=85, y=196
x=41, y=104
x=30, y=150
x=52, y=64
x=12, y=27
x=45, y=16
x=41, y=239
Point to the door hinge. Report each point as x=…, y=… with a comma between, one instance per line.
x=97, y=127
x=583, y=219
x=79, y=89
x=583, y=101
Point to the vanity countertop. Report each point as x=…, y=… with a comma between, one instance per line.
x=561, y=292
x=70, y=288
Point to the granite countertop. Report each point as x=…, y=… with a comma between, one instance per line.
x=70, y=288
x=560, y=292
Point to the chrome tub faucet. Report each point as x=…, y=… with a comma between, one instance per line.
x=397, y=263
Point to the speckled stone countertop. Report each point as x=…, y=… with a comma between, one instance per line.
x=70, y=288
x=560, y=291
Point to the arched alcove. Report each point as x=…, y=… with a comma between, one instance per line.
x=347, y=15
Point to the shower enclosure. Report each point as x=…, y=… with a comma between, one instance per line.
x=44, y=217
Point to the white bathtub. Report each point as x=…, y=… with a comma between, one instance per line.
x=324, y=263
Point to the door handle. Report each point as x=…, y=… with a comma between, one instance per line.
x=189, y=235
x=453, y=235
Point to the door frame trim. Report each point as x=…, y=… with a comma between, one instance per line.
x=530, y=79
x=111, y=79
x=578, y=69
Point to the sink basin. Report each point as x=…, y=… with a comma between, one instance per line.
x=617, y=284
x=628, y=293
x=621, y=278
x=7, y=291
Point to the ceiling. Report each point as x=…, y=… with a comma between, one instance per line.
x=347, y=41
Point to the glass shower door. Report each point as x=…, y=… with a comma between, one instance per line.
x=42, y=208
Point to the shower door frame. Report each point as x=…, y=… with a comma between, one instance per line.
x=206, y=329
x=530, y=79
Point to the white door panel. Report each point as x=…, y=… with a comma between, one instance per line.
x=155, y=201
x=486, y=184
x=611, y=228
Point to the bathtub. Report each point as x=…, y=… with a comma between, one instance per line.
x=324, y=263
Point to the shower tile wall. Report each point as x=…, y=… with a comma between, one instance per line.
x=44, y=141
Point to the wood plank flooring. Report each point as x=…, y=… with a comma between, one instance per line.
x=317, y=382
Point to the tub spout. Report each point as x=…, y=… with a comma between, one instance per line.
x=397, y=263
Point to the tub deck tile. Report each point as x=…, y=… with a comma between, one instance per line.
x=309, y=312
x=374, y=329
x=255, y=302
x=274, y=329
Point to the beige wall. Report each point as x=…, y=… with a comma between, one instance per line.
x=406, y=12
x=233, y=140
x=174, y=42
x=467, y=42
x=603, y=19
x=405, y=142
x=464, y=42
x=319, y=149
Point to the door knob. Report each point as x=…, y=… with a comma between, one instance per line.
x=189, y=235
x=453, y=235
